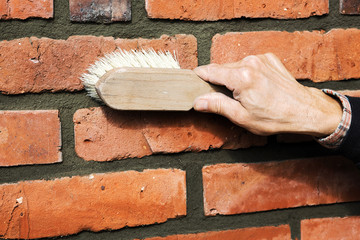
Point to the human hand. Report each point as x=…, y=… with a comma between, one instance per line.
x=267, y=99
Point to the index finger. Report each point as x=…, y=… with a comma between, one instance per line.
x=216, y=74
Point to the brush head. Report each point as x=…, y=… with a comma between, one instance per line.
x=122, y=58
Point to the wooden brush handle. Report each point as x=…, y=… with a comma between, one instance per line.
x=153, y=89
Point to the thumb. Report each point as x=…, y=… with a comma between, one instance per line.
x=221, y=104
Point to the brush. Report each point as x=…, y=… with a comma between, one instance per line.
x=144, y=80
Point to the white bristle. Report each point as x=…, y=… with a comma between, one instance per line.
x=122, y=58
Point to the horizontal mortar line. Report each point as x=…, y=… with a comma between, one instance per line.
x=220, y=26
x=182, y=160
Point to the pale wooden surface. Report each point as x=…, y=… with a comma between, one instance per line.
x=152, y=89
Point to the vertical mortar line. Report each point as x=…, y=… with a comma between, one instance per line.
x=295, y=228
x=204, y=41
x=71, y=162
x=194, y=192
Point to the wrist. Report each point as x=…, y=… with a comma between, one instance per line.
x=324, y=113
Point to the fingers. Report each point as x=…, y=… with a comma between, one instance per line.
x=221, y=104
x=214, y=73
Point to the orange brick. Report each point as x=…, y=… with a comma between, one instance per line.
x=280, y=233
x=23, y=9
x=3, y=9
x=102, y=134
x=29, y=137
x=314, y=55
x=347, y=228
x=36, y=65
x=243, y=188
x=212, y=10
x=37, y=209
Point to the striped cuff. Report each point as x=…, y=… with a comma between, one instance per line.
x=336, y=138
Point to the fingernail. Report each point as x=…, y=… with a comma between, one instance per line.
x=201, y=105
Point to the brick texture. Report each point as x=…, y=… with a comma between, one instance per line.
x=37, y=65
x=100, y=10
x=213, y=10
x=314, y=55
x=23, y=9
x=347, y=228
x=350, y=6
x=36, y=209
x=102, y=134
x=243, y=188
x=29, y=137
x=279, y=233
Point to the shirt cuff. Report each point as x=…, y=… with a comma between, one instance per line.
x=335, y=139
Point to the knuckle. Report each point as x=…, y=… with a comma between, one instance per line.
x=213, y=65
x=252, y=60
x=212, y=68
x=270, y=55
x=246, y=74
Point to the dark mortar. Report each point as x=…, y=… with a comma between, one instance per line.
x=61, y=28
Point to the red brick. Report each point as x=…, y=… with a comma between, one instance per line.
x=3, y=9
x=36, y=209
x=280, y=233
x=102, y=134
x=36, y=65
x=23, y=9
x=350, y=6
x=347, y=228
x=243, y=188
x=29, y=137
x=100, y=10
x=213, y=10
x=314, y=55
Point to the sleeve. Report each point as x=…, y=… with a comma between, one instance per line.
x=350, y=145
x=335, y=140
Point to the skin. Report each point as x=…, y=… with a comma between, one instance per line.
x=267, y=99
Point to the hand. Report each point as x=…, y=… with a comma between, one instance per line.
x=267, y=98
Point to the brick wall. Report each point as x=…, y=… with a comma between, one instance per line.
x=71, y=168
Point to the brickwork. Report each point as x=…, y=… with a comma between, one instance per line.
x=72, y=167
